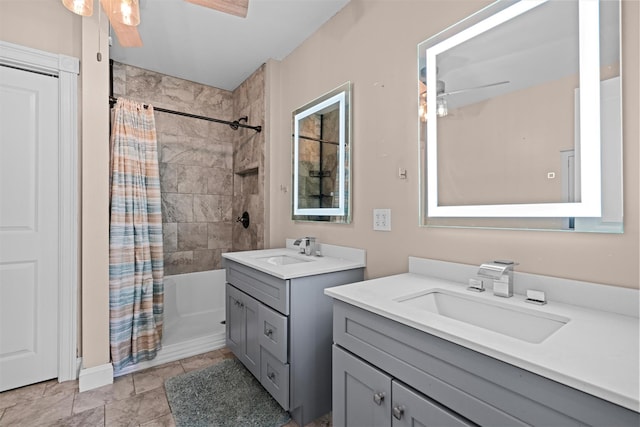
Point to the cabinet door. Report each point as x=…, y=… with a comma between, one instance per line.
x=361, y=393
x=251, y=350
x=234, y=320
x=412, y=409
x=242, y=328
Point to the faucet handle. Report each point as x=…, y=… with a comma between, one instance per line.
x=476, y=285
x=536, y=297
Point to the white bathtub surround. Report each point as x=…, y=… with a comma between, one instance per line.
x=596, y=351
x=334, y=258
x=193, y=316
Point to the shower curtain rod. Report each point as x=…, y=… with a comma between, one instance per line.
x=234, y=124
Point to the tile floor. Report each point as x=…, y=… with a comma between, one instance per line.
x=136, y=399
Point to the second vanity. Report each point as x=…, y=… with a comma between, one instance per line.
x=419, y=348
x=278, y=320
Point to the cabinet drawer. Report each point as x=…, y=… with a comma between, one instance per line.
x=274, y=376
x=410, y=408
x=265, y=288
x=273, y=332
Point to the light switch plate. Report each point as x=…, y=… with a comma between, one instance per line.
x=382, y=219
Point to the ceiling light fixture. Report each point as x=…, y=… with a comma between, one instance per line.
x=126, y=12
x=124, y=15
x=441, y=107
x=441, y=102
x=79, y=7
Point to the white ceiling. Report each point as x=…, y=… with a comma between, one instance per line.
x=217, y=49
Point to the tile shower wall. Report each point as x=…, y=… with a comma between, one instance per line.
x=197, y=167
x=248, y=163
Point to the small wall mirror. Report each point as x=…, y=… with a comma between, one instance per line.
x=322, y=158
x=520, y=108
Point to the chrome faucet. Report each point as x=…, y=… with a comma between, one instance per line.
x=501, y=273
x=307, y=245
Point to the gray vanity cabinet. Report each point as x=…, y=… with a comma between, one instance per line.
x=281, y=330
x=441, y=383
x=361, y=393
x=366, y=396
x=242, y=328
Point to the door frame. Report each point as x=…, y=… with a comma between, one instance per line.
x=66, y=69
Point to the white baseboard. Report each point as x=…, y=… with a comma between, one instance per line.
x=95, y=377
x=173, y=352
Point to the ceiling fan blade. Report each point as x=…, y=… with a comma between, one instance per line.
x=233, y=7
x=453, y=92
x=128, y=36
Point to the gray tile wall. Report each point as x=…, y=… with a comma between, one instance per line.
x=248, y=163
x=201, y=195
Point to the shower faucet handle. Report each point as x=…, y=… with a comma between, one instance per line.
x=244, y=219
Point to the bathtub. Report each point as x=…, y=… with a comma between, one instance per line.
x=194, y=305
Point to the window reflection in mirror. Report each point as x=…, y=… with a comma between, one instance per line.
x=321, y=157
x=507, y=143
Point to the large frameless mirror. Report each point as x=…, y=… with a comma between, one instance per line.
x=322, y=158
x=520, y=112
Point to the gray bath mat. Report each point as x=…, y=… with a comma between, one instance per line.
x=222, y=395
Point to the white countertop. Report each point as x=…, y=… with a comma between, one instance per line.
x=334, y=258
x=596, y=351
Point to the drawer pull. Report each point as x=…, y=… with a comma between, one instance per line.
x=271, y=376
x=378, y=398
x=268, y=332
x=398, y=412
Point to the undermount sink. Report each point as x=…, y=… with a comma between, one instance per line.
x=283, y=260
x=517, y=322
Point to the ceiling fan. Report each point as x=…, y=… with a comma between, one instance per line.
x=440, y=90
x=440, y=85
x=442, y=108
x=124, y=15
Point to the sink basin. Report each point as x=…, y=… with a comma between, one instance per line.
x=283, y=260
x=517, y=322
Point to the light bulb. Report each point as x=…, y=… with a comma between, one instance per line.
x=79, y=7
x=422, y=109
x=126, y=12
x=441, y=107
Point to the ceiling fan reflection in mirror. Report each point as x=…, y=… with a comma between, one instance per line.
x=442, y=109
x=124, y=15
x=441, y=102
x=441, y=92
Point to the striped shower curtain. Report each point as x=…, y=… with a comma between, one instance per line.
x=136, y=290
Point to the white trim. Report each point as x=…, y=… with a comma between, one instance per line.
x=179, y=351
x=94, y=377
x=66, y=68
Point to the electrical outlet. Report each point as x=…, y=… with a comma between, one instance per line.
x=382, y=219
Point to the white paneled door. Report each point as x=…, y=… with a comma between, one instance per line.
x=28, y=227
